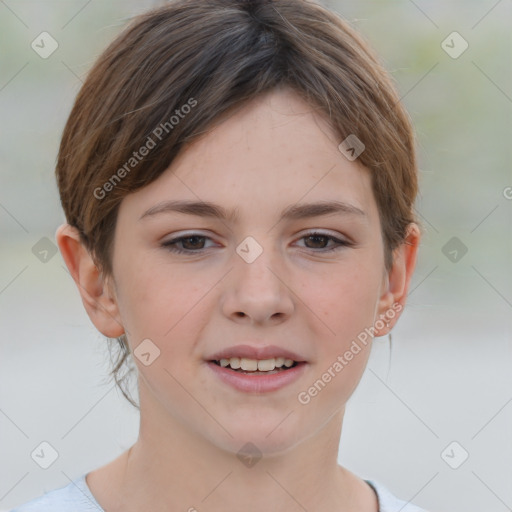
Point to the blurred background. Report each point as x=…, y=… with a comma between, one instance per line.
x=433, y=419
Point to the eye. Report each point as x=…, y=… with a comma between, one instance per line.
x=194, y=243
x=191, y=243
x=317, y=238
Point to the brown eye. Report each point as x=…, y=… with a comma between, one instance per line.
x=189, y=244
x=319, y=242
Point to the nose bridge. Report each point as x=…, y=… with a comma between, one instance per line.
x=256, y=263
x=256, y=286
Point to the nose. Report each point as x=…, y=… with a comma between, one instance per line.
x=257, y=291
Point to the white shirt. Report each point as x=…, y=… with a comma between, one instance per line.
x=77, y=497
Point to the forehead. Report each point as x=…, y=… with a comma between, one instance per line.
x=274, y=151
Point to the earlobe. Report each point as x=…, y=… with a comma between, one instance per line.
x=392, y=301
x=97, y=297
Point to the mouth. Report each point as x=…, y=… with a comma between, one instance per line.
x=248, y=366
x=256, y=369
x=256, y=376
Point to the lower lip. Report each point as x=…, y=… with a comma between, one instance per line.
x=258, y=383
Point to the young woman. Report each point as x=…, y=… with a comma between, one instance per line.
x=238, y=180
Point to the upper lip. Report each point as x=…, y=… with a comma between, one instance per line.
x=260, y=353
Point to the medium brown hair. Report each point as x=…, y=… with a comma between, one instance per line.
x=176, y=71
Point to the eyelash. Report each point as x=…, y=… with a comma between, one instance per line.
x=171, y=245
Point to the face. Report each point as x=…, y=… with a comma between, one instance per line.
x=305, y=285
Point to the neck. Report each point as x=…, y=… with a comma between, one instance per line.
x=170, y=467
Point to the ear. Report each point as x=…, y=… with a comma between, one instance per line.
x=97, y=295
x=397, y=280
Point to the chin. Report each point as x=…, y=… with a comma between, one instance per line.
x=270, y=434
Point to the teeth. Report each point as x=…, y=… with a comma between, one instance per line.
x=251, y=365
x=266, y=365
x=234, y=362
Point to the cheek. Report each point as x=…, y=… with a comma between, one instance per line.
x=351, y=304
x=165, y=307
x=346, y=309
x=344, y=301
x=143, y=298
x=161, y=303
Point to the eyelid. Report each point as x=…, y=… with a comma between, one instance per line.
x=339, y=242
x=306, y=232
x=180, y=235
x=322, y=231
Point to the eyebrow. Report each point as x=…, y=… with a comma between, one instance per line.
x=293, y=212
